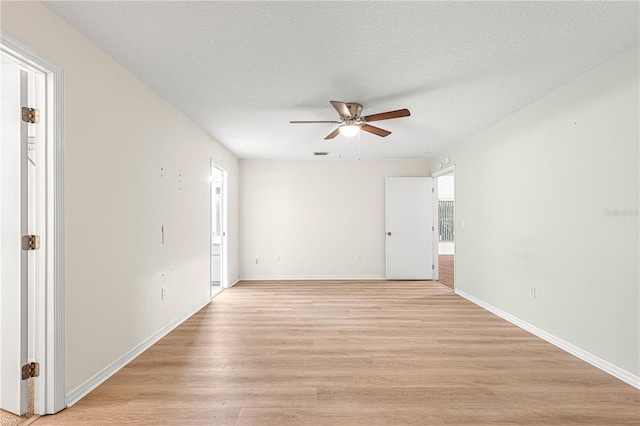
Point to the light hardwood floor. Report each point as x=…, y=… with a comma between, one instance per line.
x=446, y=270
x=352, y=353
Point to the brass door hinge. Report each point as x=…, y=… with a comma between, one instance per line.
x=30, y=370
x=30, y=115
x=30, y=242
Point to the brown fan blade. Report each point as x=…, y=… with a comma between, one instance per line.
x=387, y=115
x=375, y=130
x=333, y=134
x=342, y=109
x=313, y=122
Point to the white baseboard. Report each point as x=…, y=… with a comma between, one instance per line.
x=234, y=283
x=310, y=277
x=81, y=391
x=592, y=359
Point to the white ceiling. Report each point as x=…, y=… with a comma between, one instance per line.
x=242, y=70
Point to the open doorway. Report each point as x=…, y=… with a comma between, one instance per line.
x=218, y=229
x=446, y=229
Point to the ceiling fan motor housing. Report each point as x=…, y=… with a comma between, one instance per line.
x=355, y=109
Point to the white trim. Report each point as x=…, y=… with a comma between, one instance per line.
x=443, y=172
x=449, y=170
x=310, y=277
x=50, y=327
x=234, y=283
x=78, y=393
x=224, y=242
x=435, y=214
x=224, y=267
x=592, y=359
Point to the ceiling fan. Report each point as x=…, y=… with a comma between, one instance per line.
x=351, y=122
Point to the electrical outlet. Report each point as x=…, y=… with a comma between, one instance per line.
x=358, y=258
x=532, y=292
x=164, y=293
x=257, y=260
x=277, y=258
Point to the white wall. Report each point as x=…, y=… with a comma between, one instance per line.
x=535, y=192
x=317, y=215
x=134, y=163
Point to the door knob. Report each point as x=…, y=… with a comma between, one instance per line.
x=388, y=233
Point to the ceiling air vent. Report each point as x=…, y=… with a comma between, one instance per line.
x=319, y=153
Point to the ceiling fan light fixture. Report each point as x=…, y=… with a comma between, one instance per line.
x=349, y=130
x=351, y=122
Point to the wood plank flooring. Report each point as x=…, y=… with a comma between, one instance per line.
x=445, y=270
x=352, y=353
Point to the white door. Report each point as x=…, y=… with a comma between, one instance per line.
x=409, y=227
x=218, y=229
x=13, y=224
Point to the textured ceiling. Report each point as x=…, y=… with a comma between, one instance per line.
x=242, y=70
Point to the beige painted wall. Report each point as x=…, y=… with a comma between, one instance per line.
x=539, y=193
x=316, y=215
x=134, y=163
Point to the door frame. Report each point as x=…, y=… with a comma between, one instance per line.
x=443, y=172
x=224, y=279
x=50, y=294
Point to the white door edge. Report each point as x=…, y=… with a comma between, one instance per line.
x=50, y=297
